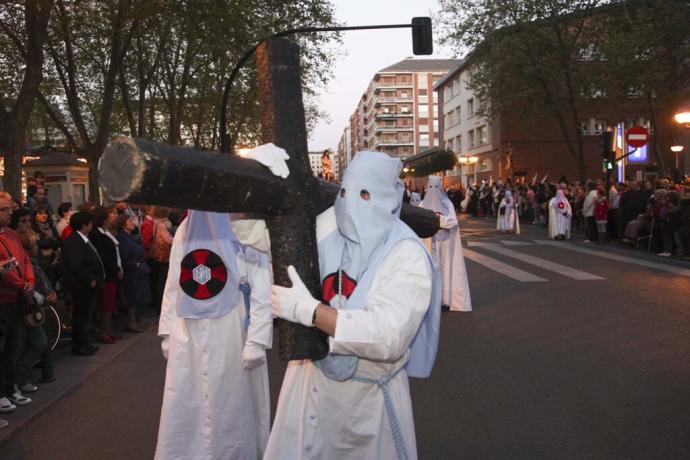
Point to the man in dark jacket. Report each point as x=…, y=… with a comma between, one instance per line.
x=83, y=272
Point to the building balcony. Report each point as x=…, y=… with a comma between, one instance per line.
x=393, y=129
x=391, y=86
x=392, y=100
x=394, y=114
x=393, y=143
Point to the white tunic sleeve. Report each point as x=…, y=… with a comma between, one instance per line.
x=449, y=221
x=397, y=302
x=261, y=317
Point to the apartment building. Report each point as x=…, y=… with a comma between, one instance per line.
x=463, y=131
x=398, y=112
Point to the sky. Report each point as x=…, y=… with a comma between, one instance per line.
x=362, y=54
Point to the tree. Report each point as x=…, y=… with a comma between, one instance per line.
x=525, y=59
x=87, y=45
x=648, y=51
x=22, y=33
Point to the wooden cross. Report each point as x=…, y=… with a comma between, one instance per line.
x=141, y=171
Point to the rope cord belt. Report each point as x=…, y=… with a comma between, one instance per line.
x=246, y=290
x=382, y=383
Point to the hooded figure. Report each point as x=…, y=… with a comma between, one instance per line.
x=507, y=220
x=560, y=215
x=216, y=323
x=381, y=308
x=415, y=199
x=446, y=249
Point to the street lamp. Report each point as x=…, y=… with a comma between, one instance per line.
x=676, y=149
x=467, y=160
x=682, y=115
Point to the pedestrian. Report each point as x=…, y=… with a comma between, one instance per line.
x=216, y=323
x=591, y=231
x=135, y=282
x=159, y=253
x=446, y=249
x=35, y=341
x=383, y=321
x=104, y=222
x=560, y=215
x=82, y=272
x=62, y=227
x=506, y=220
x=601, y=209
x=16, y=295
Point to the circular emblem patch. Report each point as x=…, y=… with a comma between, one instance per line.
x=203, y=274
x=561, y=205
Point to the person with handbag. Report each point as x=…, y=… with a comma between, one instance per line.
x=16, y=291
x=35, y=341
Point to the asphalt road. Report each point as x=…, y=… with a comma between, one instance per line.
x=572, y=351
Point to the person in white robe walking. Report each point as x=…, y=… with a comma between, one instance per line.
x=216, y=323
x=381, y=309
x=507, y=220
x=560, y=215
x=446, y=248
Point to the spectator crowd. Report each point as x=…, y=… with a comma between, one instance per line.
x=654, y=215
x=103, y=264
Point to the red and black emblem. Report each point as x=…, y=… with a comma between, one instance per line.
x=561, y=205
x=330, y=286
x=203, y=274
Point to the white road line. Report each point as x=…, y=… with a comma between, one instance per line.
x=500, y=267
x=541, y=263
x=618, y=258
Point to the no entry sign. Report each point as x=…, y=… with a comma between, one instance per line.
x=637, y=137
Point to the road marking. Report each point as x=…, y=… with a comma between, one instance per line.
x=618, y=258
x=541, y=263
x=516, y=243
x=501, y=267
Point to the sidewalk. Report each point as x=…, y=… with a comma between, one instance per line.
x=70, y=371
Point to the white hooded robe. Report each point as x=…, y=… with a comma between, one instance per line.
x=212, y=407
x=447, y=253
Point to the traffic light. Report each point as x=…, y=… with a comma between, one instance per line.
x=422, y=40
x=607, y=152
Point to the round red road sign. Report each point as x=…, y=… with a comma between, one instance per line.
x=637, y=136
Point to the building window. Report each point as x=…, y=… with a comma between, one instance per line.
x=423, y=110
x=449, y=145
x=483, y=135
x=458, y=114
x=599, y=126
x=470, y=138
x=422, y=91
x=450, y=119
x=424, y=140
x=436, y=125
x=405, y=109
x=423, y=128
x=470, y=108
x=448, y=93
x=458, y=144
x=423, y=99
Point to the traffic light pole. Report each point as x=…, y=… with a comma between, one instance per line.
x=422, y=44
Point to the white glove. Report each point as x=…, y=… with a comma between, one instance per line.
x=253, y=355
x=165, y=346
x=272, y=157
x=294, y=304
